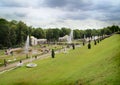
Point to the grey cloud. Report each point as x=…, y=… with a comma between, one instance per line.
x=77, y=16
x=6, y=3
x=109, y=12
x=20, y=14
x=69, y=4
x=113, y=16
x=103, y=10
x=102, y=7
x=19, y=3
x=55, y=3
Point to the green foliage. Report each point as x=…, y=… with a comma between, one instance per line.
x=76, y=34
x=64, y=31
x=49, y=34
x=12, y=37
x=38, y=33
x=88, y=32
x=4, y=33
x=52, y=34
x=56, y=34
x=22, y=32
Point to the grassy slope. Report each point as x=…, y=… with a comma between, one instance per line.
x=97, y=66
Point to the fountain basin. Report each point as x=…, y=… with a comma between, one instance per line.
x=20, y=64
x=31, y=65
x=9, y=60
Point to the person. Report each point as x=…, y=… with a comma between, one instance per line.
x=20, y=61
x=36, y=57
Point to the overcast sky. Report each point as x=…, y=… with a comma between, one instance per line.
x=75, y=14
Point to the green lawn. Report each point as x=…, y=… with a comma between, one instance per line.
x=97, y=66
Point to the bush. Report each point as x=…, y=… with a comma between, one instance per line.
x=53, y=53
x=95, y=42
x=89, y=46
x=73, y=45
x=98, y=40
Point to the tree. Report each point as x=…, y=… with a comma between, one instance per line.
x=88, y=32
x=13, y=27
x=22, y=32
x=53, y=34
x=76, y=34
x=38, y=33
x=107, y=31
x=95, y=32
x=12, y=36
x=56, y=34
x=102, y=32
x=49, y=34
x=64, y=31
x=4, y=33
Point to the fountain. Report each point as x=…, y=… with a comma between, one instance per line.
x=70, y=37
x=26, y=50
x=69, y=41
x=27, y=45
x=30, y=65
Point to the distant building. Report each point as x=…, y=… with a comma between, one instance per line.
x=34, y=40
x=41, y=41
x=64, y=38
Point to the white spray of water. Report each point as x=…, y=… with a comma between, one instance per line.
x=70, y=37
x=26, y=51
x=27, y=45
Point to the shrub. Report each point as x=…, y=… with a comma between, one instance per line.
x=95, y=42
x=89, y=46
x=53, y=53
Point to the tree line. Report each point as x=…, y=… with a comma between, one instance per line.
x=14, y=33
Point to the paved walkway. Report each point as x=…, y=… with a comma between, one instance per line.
x=14, y=65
